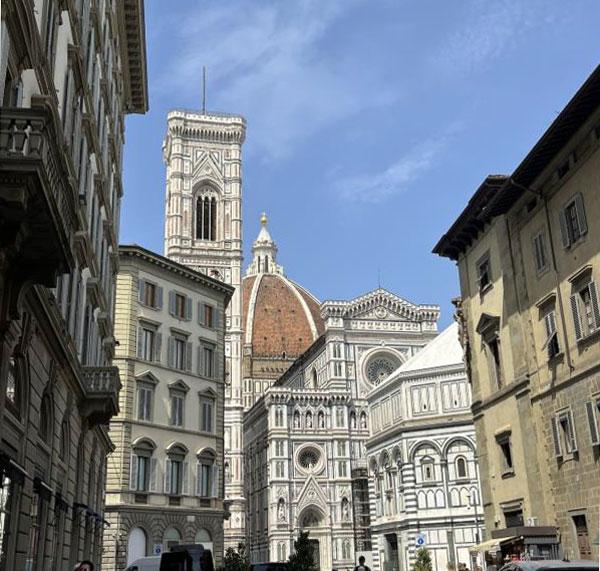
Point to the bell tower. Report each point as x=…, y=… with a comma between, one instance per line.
x=203, y=230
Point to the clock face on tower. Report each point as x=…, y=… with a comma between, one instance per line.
x=380, y=366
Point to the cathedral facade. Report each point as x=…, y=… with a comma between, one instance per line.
x=304, y=439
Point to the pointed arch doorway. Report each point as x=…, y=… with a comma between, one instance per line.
x=313, y=520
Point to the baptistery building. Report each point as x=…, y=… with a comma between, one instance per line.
x=422, y=463
x=304, y=438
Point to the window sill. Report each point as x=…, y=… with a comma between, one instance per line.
x=149, y=306
x=508, y=474
x=590, y=337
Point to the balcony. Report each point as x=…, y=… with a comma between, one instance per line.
x=38, y=201
x=102, y=387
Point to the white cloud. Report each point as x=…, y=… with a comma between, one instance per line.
x=264, y=61
x=396, y=178
x=489, y=30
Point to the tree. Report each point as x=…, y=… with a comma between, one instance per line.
x=423, y=562
x=236, y=560
x=302, y=559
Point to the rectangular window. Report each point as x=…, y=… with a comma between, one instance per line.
x=207, y=315
x=342, y=471
x=174, y=477
x=563, y=429
x=586, y=311
x=593, y=416
x=513, y=518
x=205, y=480
x=280, y=469
x=178, y=353
x=177, y=408
x=206, y=361
x=149, y=294
x=337, y=369
x=206, y=414
x=484, y=273
x=145, y=395
x=573, y=223
x=180, y=306
x=551, y=345
x=583, y=537
x=495, y=363
x=506, y=458
x=143, y=473
x=341, y=448
x=146, y=343
x=539, y=252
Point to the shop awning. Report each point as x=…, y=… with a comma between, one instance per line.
x=491, y=545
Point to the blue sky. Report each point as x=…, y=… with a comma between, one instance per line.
x=370, y=122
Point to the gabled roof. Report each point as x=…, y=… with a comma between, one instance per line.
x=443, y=351
x=379, y=297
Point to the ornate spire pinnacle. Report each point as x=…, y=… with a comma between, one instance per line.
x=264, y=252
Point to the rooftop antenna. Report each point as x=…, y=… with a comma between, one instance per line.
x=378, y=278
x=203, y=90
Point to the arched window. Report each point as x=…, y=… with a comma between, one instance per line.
x=172, y=537
x=206, y=217
x=461, y=467
x=314, y=379
x=176, y=472
x=204, y=537
x=137, y=544
x=428, y=469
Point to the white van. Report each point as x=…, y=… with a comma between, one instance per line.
x=145, y=564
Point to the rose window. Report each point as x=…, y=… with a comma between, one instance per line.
x=379, y=368
x=309, y=458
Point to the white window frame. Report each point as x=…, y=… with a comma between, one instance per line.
x=207, y=403
x=144, y=401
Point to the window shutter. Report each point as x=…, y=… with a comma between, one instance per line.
x=188, y=356
x=159, y=297
x=564, y=232
x=556, y=436
x=170, y=350
x=188, y=308
x=592, y=422
x=172, y=303
x=185, y=484
x=199, y=367
x=152, y=485
x=133, y=472
x=595, y=306
x=198, y=479
x=217, y=318
x=576, y=317
x=200, y=314
x=140, y=342
x=572, y=433
x=141, y=291
x=157, y=347
x=581, y=214
x=214, y=481
x=167, y=476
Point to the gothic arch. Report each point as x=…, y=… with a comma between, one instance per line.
x=206, y=211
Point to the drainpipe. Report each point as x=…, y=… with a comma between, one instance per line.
x=559, y=297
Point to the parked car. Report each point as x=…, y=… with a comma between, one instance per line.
x=551, y=565
x=192, y=557
x=145, y=564
x=269, y=567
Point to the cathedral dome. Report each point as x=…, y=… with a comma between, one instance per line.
x=281, y=319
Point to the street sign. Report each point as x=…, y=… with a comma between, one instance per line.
x=157, y=549
x=420, y=540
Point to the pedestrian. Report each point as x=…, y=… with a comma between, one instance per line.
x=361, y=565
x=84, y=566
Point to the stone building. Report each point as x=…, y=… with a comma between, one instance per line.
x=422, y=460
x=528, y=255
x=165, y=478
x=69, y=72
x=304, y=439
